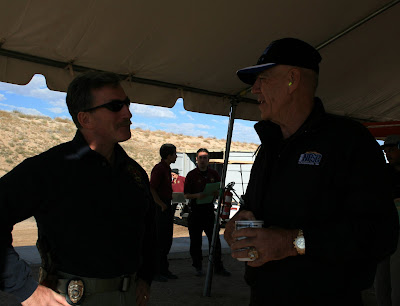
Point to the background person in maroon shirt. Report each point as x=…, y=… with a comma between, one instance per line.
x=178, y=182
x=161, y=189
x=201, y=216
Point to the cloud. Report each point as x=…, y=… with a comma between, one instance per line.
x=24, y=110
x=56, y=110
x=190, y=129
x=2, y=97
x=36, y=88
x=151, y=111
x=59, y=106
x=185, y=113
x=142, y=126
x=59, y=103
x=201, y=126
x=221, y=121
x=244, y=133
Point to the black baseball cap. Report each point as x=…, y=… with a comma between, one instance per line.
x=285, y=51
x=175, y=170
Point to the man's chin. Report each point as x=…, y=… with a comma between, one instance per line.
x=125, y=136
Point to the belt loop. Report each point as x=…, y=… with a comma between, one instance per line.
x=126, y=280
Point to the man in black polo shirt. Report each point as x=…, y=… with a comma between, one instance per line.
x=318, y=183
x=92, y=204
x=201, y=216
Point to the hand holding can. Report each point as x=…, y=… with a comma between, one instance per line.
x=244, y=224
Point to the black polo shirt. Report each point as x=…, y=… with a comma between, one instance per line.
x=97, y=219
x=328, y=180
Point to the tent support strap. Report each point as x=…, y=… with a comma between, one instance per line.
x=210, y=268
x=357, y=24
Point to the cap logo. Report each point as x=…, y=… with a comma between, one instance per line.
x=285, y=51
x=310, y=158
x=262, y=58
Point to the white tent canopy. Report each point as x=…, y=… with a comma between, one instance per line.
x=191, y=49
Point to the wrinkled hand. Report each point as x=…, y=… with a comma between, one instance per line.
x=271, y=243
x=44, y=296
x=230, y=226
x=142, y=292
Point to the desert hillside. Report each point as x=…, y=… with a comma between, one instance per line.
x=22, y=136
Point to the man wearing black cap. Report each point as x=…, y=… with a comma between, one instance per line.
x=317, y=183
x=387, y=279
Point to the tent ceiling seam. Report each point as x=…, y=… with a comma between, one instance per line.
x=357, y=24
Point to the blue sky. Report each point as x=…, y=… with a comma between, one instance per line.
x=36, y=99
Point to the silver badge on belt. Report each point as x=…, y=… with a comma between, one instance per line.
x=75, y=289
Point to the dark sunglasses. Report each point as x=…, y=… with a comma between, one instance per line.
x=114, y=106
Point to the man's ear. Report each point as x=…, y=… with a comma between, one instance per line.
x=294, y=77
x=84, y=119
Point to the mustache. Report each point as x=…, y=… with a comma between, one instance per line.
x=124, y=123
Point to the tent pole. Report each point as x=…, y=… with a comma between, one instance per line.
x=241, y=176
x=357, y=24
x=210, y=268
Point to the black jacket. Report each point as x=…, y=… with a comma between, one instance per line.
x=327, y=179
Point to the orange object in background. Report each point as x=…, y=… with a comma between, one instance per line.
x=382, y=129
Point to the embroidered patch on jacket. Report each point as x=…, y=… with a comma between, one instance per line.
x=135, y=174
x=310, y=158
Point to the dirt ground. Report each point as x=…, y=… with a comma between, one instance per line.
x=25, y=233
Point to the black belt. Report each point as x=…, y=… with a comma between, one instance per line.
x=96, y=285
